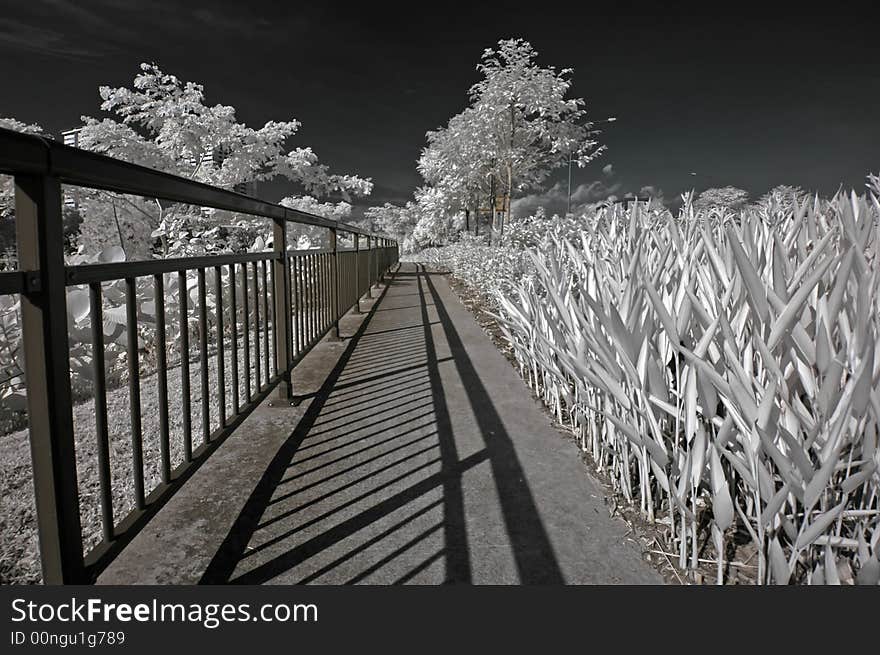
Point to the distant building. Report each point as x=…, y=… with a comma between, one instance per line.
x=626, y=201
x=71, y=194
x=71, y=137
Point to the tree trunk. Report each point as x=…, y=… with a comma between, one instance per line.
x=507, y=196
x=118, y=229
x=492, y=230
x=509, y=166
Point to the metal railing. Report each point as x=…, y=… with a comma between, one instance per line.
x=269, y=310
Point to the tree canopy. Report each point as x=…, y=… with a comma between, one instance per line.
x=520, y=125
x=163, y=122
x=729, y=197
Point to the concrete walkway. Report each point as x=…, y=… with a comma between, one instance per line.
x=417, y=456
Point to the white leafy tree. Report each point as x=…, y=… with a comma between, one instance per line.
x=782, y=199
x=12, y=396
x=519, y=127
x=164, y=123
x=438, y=220
x=457, y=161
x=7, y=186
x=529, y=124
x=307, y=236
x=393, y=220
x=728, y=197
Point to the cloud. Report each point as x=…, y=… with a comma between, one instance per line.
x=43, y=40
x=652, y=191
x=78, y=30
x=250, y=27
x=69, y=30
x=608, y=170
x=384, y=193
x=555, y=199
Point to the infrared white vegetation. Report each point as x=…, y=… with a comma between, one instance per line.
x=721, y=366
x=519, y=127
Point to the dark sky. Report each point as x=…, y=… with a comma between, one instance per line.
x=751, y=101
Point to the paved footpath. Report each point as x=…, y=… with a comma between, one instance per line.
x=418, y=456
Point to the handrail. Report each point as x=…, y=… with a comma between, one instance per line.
x=36, y=155
x=289, y=300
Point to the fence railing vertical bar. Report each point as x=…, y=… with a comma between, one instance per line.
x=282, y=308
x=162, y=376
x=221, y=363
x=379, y=268
x=233, y=333
x=357, y=271
x=322, y=291
x=341, y=295
x=265, y=300
x=186, y=400
x=315, y=295
x=203, y=356
x=134, y=390
x=101, y=425
x=276, y=363
x=328, y=292
x=349, y=283
x=351, y=297
x=322, y=268
x=365, y=281
x=334, y=243
x=368, y=279
x=308, y=301
x=255, y=288
x=332, y=295
x=319, y=296
x=246, y=330
x=303, y=300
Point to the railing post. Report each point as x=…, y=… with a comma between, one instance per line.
x=371, y=264
x=47, y=374
x=357, y=272
x=381, y=265
x=281, y=298
x=334, y=242
x=369, y=267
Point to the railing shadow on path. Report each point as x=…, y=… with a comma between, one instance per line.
x=389, y=377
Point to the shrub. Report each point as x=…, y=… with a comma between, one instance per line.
x=722, y=369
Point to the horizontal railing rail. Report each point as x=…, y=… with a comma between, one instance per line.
x=30, y=154
x=243, y=321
